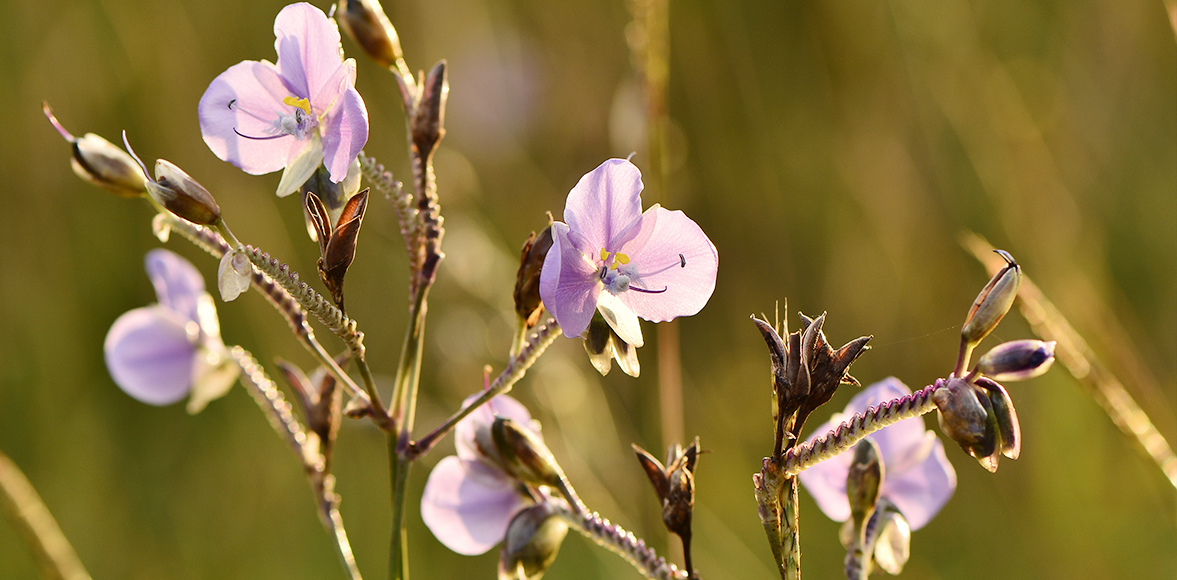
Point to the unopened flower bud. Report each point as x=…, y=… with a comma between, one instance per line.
x=1017, y=360
x=101, y=162
x=965, y=417
x=522, y=454
x=993, y=302
x=528, y=304
x=893, y=542
x=1008, y=428
x=234, y=274
x=863, y=480
x=365, y=22
x=532, y=543
x=177, y=192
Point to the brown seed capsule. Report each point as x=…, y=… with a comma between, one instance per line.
x=993, y=302
x=528, y=304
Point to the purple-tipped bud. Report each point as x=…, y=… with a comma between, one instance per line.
x=177, y=192
x=520, y=453
x=532, y=543
x=993, y=302
x=365, y=22
x=101, y=162
x=1017, y=360
x=863, y=480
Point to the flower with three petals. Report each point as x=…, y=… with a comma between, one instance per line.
x=294, y=115
x=608, y=256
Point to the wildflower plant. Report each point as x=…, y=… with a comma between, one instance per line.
x=591, y=276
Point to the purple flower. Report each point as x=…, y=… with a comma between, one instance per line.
x=469, y=502
x=917, y=477
x=613, y=258
x=295, y=115
x=160, y=353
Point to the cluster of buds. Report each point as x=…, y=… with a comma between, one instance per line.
x=974, y=408
x=876, y=534
x=806, y=372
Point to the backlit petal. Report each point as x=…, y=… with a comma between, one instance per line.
x=467, y=513
x=178, y=284
x=309, y=52
x=921, y=491
x=621, y=319
x=669, y=251
x=568, y=283
x=301, y=166
x=149, y=354
x=246, y=100
x=604, y=202
x=345, y=131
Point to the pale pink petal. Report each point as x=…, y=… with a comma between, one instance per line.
x=604, y=202
x=149, y=354
x=178, y=284
x=920, y=492
x=345, y=130
x=309, y=52
x=482, y=417
x=466, y=510
x=671, y=256
x=246, y=101
x=568, y=283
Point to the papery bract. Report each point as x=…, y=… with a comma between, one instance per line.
x=609, y=256
x=468, y=503
x=918, y=478
x=295, y=115
x=160, y=353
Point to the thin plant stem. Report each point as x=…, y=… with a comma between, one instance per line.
x=282, y=300
x=614, y=538
x=278, y=411
x=54, y=555
x=543, y=336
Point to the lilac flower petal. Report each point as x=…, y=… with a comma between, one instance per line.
x=568, y=283
x=346, y=131
x=245, y=100
x=465, y=510
x=670, y=252
x=603, y=203
x=826, y=482
x=302, y=165
x=918, y=478
x=308, y=50
x=621, y=318
x=178, y=284
x=919, y=493
x=149, y=353
x=482, y=417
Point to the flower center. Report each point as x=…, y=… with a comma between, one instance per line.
x=298, y=122
x=618, y=275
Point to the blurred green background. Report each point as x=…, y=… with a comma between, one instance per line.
x=833, y=151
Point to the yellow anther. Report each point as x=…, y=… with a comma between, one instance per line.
x=622, y=258
x=604, y=255
x=303, y=104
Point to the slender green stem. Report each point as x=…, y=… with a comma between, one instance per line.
x=543, y=336
x=55, y=557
